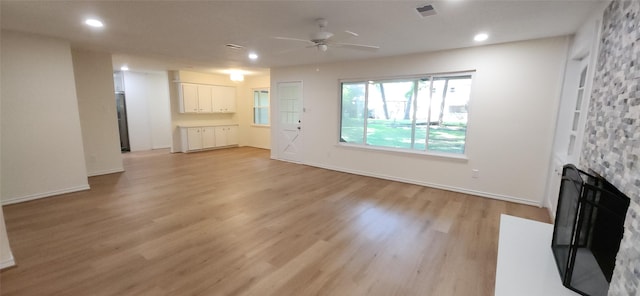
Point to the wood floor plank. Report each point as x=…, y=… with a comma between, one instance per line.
x=235, y=222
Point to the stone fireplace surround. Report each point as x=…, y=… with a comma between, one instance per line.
x=611, y=145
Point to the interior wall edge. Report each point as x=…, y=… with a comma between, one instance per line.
x=106, y=172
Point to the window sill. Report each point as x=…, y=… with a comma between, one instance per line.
x=456, y=157
x=261, y=125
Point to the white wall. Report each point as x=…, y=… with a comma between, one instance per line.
x=148, y=115
x=6, y=256
x=250, y=134
x=98, y=118
x=513, y=107
x=42, y=149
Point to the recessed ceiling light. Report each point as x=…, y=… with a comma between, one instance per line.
x=481, y=37
x=94, y=23
x=124, y=68
x=253, y=56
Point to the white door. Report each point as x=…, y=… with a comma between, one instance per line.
x=290, y=121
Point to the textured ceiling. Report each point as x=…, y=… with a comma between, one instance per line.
x=160, y=35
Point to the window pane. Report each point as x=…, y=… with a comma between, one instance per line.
x=390, y=114
x=353, y=113
x=383, y=114
x=261, y=115
x=264, y=99
x=448, y=122
x=261, y=107
x=422, y=115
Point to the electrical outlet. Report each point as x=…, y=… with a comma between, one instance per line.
x=475, y=173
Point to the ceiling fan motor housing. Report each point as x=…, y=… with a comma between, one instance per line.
x=320, y=37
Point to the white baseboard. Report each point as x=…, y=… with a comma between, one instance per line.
x=432, y=185
x=105, y=172
x=7, y=263
x=13, y=200
x=547, y=206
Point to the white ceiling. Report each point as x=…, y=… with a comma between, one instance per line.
x=163, y=35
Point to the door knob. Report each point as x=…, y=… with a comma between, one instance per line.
x=299, y=128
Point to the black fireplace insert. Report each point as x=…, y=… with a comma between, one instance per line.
x=587, y=231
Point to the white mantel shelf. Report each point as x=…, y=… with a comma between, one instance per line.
x=526, y=266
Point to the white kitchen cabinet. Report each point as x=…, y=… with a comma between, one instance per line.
x=224, y=99
x=188, y=98
x=205, y=104
x=208, y=137
x=202, y=98
x=226, y=135
x=196, y=138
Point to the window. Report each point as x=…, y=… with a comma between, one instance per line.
x=426, y=113
x=261, y=107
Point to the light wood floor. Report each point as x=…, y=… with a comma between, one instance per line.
x=234, y=222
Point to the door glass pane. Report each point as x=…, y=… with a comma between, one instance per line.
x=289, y=105
x=353, y=113
x=583, y=77
x=579, y=100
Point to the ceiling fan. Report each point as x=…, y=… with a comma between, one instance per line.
x=322, y=39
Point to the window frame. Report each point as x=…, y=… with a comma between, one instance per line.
x=431, y=77
x=254, y=107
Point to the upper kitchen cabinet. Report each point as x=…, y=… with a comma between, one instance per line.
x=224, y=99
x=202, y=98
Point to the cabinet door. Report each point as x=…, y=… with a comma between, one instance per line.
x=189, y=97
x=224, y=99
x=204, y=99
x=194, y=138
x=208, y=137
x=232, y=135
x=221, y=136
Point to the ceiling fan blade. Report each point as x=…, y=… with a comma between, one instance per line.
x=357, y=46
x=294, y=39
x=352, y=33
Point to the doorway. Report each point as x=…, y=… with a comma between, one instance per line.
x=121, y=110
x=290, y=122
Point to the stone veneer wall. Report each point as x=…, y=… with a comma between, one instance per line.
x=612, y=135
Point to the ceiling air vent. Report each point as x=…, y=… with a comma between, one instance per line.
x=234, y=46
x=426, y=10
